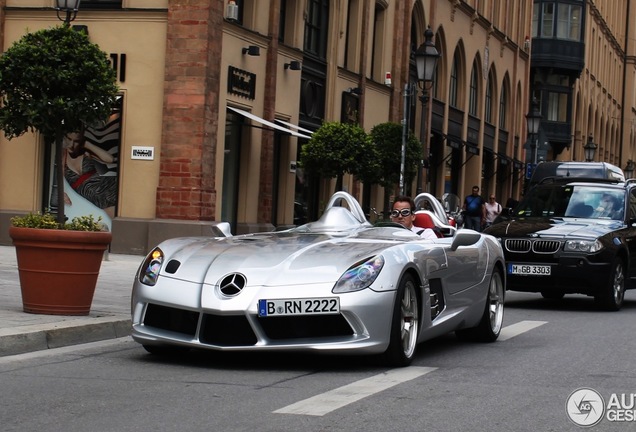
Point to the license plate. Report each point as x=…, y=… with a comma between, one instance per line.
x=306, y=306
x=529, y=270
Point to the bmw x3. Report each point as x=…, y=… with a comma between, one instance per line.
x=572, y=237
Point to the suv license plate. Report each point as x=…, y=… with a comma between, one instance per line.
x=529, y=270
x=306, y=306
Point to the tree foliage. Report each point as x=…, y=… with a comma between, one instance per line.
x=55, y=81
x=338, y=148
x=387, y=138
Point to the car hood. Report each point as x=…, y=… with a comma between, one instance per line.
x=554, y=228
x=272, y=258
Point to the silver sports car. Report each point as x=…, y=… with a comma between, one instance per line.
x=336, y=285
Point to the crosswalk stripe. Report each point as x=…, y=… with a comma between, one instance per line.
x=518, y=328
x=329, y=401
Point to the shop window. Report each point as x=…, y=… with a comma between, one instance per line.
x=557, y=107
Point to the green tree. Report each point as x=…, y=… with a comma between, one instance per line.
x=55, y=81
x=338, y=148
x=387, y=138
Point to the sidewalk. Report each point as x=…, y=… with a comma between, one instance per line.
x=109, y=318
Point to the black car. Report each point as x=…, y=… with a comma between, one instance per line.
x=569, y=237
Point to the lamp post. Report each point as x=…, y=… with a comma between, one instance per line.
x=426, y=58
x=533, y=119
x=67, y=7
x=590, y=149
x=629, y=169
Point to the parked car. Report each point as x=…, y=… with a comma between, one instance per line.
x=570, y=237
x=572, y=170
x=336, y=285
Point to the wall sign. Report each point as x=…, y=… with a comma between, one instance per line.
x=147, y=153
x=241, y=83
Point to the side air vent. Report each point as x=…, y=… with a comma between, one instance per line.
x=172, y=266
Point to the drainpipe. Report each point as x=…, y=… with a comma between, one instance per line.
x=622, y=126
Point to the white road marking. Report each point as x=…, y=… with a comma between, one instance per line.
x=518, y=328
x=332, y=400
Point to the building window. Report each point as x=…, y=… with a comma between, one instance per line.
x=316, y=28
x=474, y=95
x=282, y=21
x=377, y=71
x=547, y=20
x=452, y=90
x=488, y=101
x=503, y=100
x=557, y=107
x=569, y=22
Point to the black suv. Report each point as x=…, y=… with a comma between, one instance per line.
x=572, y=237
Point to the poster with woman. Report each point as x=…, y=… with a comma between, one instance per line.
x=90, y=171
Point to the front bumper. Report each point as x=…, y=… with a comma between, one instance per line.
x=160, y=319
x=569, y=275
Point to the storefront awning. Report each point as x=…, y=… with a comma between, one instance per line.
x=268, y=123
x=293, y=126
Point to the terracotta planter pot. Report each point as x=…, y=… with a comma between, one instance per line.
x=58, y=269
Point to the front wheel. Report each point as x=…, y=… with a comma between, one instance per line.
x=404, y=324
x=611, y=296
x=491, y=322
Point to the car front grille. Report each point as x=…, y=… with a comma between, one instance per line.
x=545, y=246
x=536, y=246
x=236, y=330
x=514, y=245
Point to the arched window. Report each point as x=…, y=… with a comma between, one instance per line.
x=473, y=97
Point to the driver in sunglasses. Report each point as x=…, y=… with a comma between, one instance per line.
x=403, y=212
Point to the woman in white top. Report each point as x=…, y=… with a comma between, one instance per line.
x=493, y=209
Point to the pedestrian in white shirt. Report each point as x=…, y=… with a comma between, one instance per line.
x=493, y=209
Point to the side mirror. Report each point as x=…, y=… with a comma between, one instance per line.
x=465, y=237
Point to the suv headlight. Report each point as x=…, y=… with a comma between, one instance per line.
x=360, y=276
x=587, y=246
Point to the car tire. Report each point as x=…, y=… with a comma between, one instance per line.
x=405, y=324
x=491, y=321
x=611, y=296
x=165, y=350
x=552, y=295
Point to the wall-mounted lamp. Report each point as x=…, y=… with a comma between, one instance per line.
x=232, y=11
x=355, y=90
x=67, y=10
x=629, y=169
x=252, y=50
x=293, y=65
x=590, y=149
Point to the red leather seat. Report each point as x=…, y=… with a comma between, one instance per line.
x=424, y=220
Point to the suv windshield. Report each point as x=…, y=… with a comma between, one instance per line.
x=572, y=201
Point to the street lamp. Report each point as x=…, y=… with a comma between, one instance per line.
x=629, y=169
x=533, y=120
x=590, y=149
x=426, y=58
x=67, y=7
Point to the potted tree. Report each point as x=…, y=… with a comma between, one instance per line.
x=387, y=138
x=338, y=148
x=56, y=82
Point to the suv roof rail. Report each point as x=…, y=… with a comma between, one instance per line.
x=561, y=179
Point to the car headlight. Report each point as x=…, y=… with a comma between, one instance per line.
x=587, y=246
x=150, y=268
x=360, y=276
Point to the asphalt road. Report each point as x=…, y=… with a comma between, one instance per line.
x=522, y=382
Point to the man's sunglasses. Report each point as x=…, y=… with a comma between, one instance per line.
x=403, y=212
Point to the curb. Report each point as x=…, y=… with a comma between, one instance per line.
x=20, y=340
